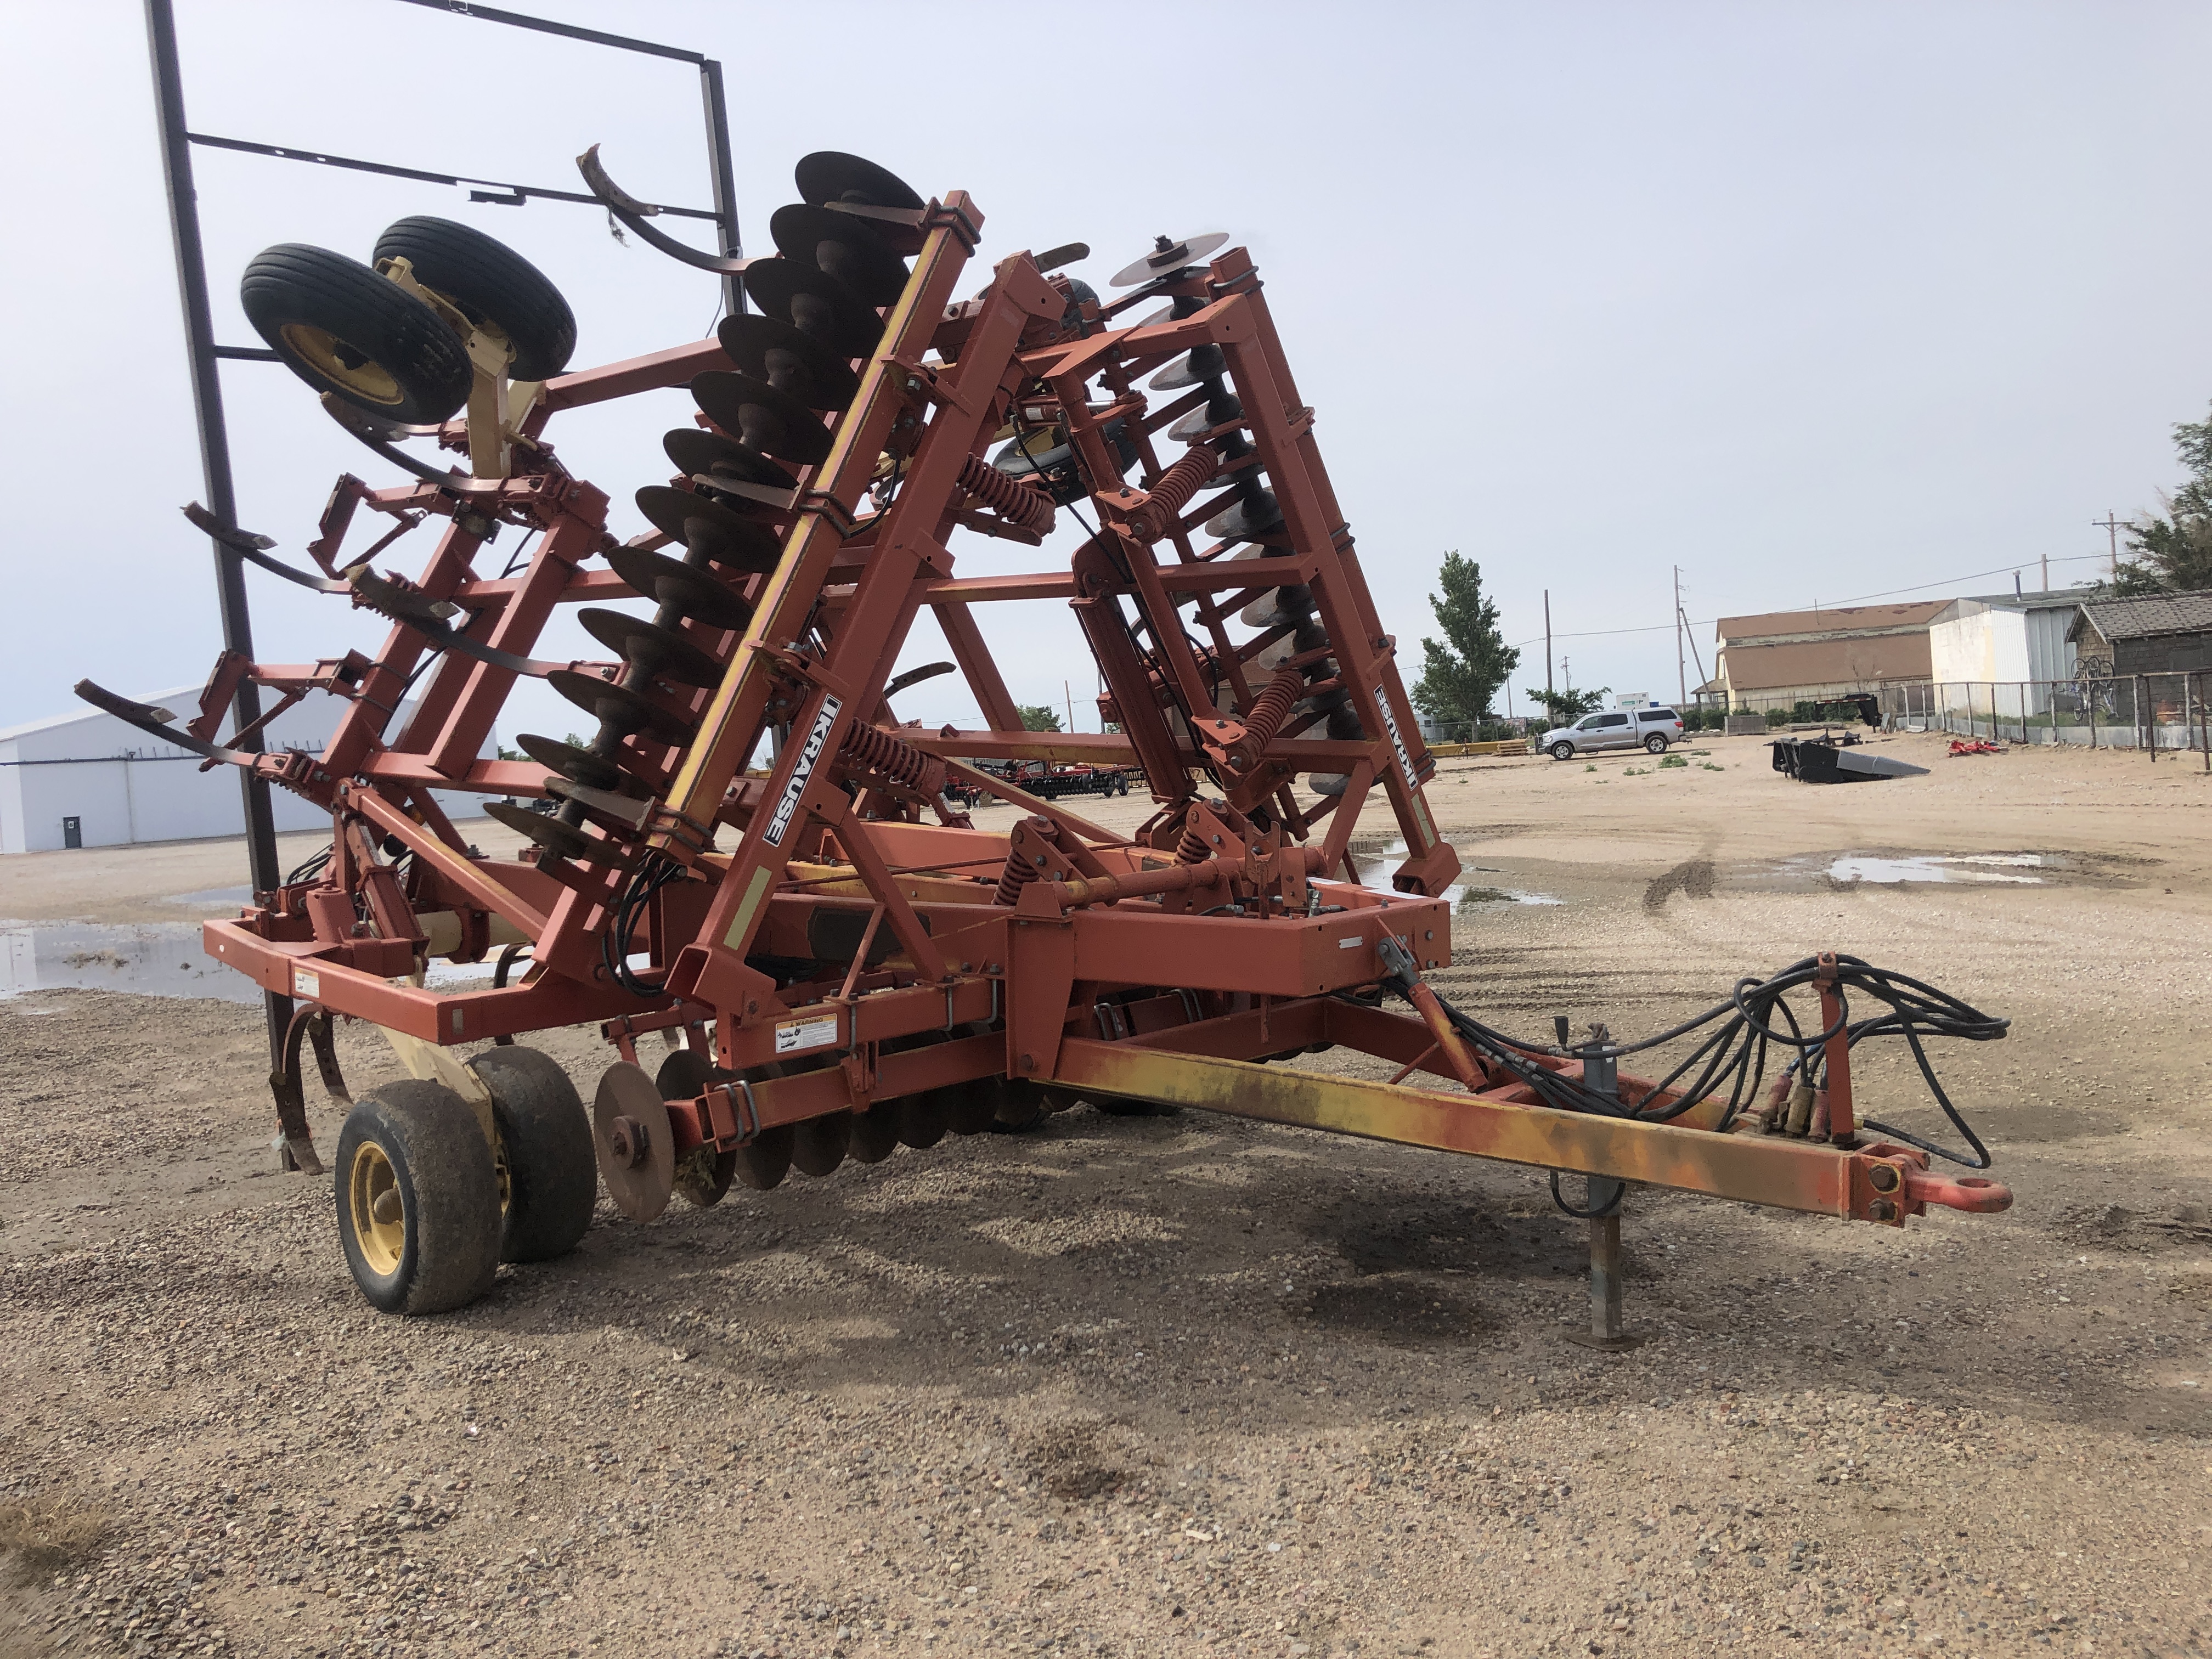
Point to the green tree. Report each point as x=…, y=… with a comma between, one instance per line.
x=1038, y=717
x=1565, y=708
x=1461, y=675
x=2173, y=553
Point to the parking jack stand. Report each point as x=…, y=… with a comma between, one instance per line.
x=1605, y=1331
x=1602, y=1199
x=1605, y=1324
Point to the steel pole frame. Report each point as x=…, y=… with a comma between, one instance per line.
x=214, y=452
x=205, y=357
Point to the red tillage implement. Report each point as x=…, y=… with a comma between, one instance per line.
x=848, y=964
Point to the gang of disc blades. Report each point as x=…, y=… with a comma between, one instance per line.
x=665, y=580
x=816, y=303
x=1162, y=261
x=831, y=175
x=842, y=244
x=775, y=422
x=661, y=652
x=788, y=359
x=733, y=541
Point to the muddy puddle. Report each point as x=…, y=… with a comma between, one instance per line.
x=1466, y=896
x=2023, y=869
x=1907, y=867
x=154, y=959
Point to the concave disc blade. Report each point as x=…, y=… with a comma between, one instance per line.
x=775, y=422
x=842, y=244
x=1173, y=257
x=816, y=303
x=691, y=592
x=577, y=765
x=702, y=1174
x=561, y=840
x=875, y=1133
x=662, y=651
x=695, y=450
x=788, y=359
x=639, y=1186
x=707, y=525
x=617, y=706
x=831, y=175
x=819, y=1143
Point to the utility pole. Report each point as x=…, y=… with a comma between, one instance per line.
x=1548, y=639
x=1070, y=696
x=1567, y=673
x=2046, y=573
x=2110, y=525
x=1681, y=680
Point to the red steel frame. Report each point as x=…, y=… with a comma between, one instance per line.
x=1052, y=983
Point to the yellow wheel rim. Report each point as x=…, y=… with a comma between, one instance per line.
x=340, y=364
x=379, y=1213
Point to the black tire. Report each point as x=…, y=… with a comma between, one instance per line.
x=545, y=1147
x=1563, y=750
x=1656, y=743
x=416, y=1147
x=344, y=329
x=488, y=282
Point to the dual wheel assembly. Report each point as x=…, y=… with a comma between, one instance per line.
x=380, y=342
x=431, y=1199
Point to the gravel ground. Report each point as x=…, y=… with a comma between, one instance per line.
x=1191, y=1385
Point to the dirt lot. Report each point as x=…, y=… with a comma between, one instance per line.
x=1188, y=1385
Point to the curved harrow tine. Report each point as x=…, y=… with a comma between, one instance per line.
x=157, y=722
x=253, y=549
x=634, y=214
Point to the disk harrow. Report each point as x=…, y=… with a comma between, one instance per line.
x=842, y=963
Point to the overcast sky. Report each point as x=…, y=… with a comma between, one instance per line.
x=1817, y=302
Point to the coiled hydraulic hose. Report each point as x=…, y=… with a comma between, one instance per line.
x=1735, y=1053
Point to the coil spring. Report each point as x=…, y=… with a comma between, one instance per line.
x=1272, y=707
x=1020, y=872
x=1020, y=503
x=1191, y=848
x=1173, y=492
x=880, y=752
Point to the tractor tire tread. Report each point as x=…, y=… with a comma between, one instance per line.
x=553, y=1172
x=297, y=283
x=488, y=282
x=448, y=1190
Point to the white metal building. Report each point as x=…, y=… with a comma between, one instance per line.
x=2006, y=639
x=90, y=780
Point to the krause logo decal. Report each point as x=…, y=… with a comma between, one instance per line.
x=799, y=773
x=1390, y=724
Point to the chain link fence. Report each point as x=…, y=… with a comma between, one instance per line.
x=2153, y=713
